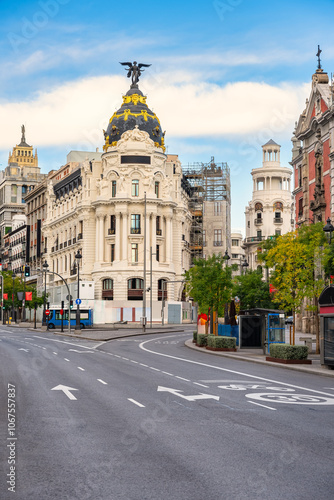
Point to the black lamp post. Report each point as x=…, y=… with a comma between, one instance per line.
x=226, y=257
x=45, y=269
x=78, y=256
x=329, y=228
x=244, y=266
x=13, y=311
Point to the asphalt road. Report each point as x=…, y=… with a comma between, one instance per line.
x=148, y=418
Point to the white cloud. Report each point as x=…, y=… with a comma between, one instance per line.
x=74, y=114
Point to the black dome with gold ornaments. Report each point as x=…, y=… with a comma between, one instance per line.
x=134, y=111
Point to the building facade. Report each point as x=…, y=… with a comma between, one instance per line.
x=269, y=211
x=121, y=210
x=21, y=175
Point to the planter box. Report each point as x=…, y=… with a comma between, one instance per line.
x=290, y=361
x=221, y=349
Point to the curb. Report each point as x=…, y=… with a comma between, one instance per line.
x=298, y=368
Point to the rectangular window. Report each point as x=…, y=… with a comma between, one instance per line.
x=204, y=237
x=235, y=255
x=300, y=207
x=217, y=237
x=157, y=253
x=156, y=189
x=158, y=225
x=135, y=187
x=277, y=215
x=217, y=208
x=112, y=229
x=14, y=193
x=134, y=253
x=235, y=243
x=278, y=232
x=113, y=189
x=259, y=235
x=135, y=224
x=112, y=257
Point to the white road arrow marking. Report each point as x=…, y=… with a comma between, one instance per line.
x=188, y=398
x=26, y=350
x=66, y=390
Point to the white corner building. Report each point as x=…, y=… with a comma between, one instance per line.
x=106, y=208
x=269, y=212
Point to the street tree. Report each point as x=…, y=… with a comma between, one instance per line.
x=209, y=283
x=252, y=290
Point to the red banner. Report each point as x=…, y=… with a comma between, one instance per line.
x=5, y=296
x=28, y=295
x=272, y=289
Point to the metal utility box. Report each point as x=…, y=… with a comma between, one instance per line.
x=326, y=302
x=251, y=331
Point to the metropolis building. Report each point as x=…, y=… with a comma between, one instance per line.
x=123, y=209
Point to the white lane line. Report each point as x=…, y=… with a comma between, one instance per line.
x=142, y=364
x=155, y=369
x=55, y=353
x=181, y=378
x=82, y=369
x=116, y=355
x=254, y=377
x=126, y=359
x=66, y=359
x=166, y=373
x=136, y=403
x=63, y=342
x=201, y=385
x=132, y=361
x=264, y=406
x=102, y=381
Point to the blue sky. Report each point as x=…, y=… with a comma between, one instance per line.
x=226, y=76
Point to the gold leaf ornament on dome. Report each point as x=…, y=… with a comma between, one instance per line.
x=128, y=113
x=134, y=98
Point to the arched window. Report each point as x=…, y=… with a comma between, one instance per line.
x=162, y=287
x=135, y=187
x=135, y=289
x=107, y=289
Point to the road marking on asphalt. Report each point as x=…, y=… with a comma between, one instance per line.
x=102, y=381
x=142, y=364
x=136, y=403
x=264, y=406
x=126, y=359
x=81, y=352
x=243, y=374
x=55, y=353
x=62, y=342
x=66, y=359
x=166, y=373
x=202, y=385
x=132, y=361
x=66, y=390
x=297, y=399
x=194, y=397
x=82, y=369
x=181, y=378
x=156, y=369
x=21, y=349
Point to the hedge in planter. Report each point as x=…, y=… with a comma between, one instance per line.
x=286, y=351
x=221, y=343
x=195, y=337
x=202, y=339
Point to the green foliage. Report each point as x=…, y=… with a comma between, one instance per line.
x=195, y=336
x=286, y=351
x=221, y=342
x=209, y=283
x=202, y=339
x=252, y=291
x=19, y=287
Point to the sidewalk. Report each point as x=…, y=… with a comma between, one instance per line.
x=105, y=332
x=257, y=356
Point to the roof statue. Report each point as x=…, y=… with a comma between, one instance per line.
x=135, y=70
x=318, y=56
x=23, y=130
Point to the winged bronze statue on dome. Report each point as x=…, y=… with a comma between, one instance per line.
x=134, y=70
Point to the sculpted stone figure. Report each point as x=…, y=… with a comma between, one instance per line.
x=134, y=70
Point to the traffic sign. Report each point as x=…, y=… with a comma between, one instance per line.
x=78, y=301
x=47, y=312
x=61, y=312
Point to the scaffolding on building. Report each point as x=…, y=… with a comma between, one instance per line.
x=210, y=182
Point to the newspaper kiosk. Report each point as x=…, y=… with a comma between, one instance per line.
x=326, y=303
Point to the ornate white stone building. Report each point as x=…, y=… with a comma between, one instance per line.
x=269, y=212
x=106, y=207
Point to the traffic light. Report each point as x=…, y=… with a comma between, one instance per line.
x=71, y=304
x=27, y=271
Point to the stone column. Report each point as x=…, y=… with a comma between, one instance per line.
x=168, y=239
x=153, y=233
x=97, y=238
x=102, y=237
x=117, y=237
x=125, y=237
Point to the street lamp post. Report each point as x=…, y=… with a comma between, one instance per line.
x=78, y=256
x=226, y=257
x=45, y=269
x=244, y=266
x=13, y=311
x=329, y=228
